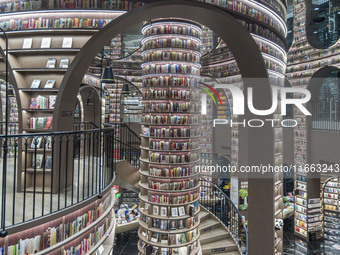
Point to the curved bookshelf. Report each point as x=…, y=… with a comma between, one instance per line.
x=179, y=76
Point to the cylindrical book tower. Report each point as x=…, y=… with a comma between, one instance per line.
x=169, y=183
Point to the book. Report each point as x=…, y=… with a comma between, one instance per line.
x=154, y=237
x=52, y=99
x=164, y=238
x=173, y=224
x=45, y=42
x=172, y=239
x=154, y=251
x=164, y=225
x=164, y=251
x=37, y=160
x=51, y=62
x=48, y=122
x=64, y=62
x=180, y=224
x=181, y=211
x=48, y=162
x=67, y=42
x=27, y=43
x=41, y=122
x=35, y=83
x=34, y=103
x=49, y=84
x=36, y=142
x=182, y=251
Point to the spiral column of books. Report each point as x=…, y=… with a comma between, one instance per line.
x=169, y=186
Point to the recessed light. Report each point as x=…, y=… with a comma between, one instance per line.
x=316, y=8
x=315, y=32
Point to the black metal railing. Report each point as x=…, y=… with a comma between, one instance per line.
x=130, y=144
x=325, y=115
x=49, y=172
x=84, y=125
x=220, y=205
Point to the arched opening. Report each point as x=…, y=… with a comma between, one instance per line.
x=324, y=87
x=251, y=65
x=322, y=21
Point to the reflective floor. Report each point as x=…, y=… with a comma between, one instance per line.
x=126, y=244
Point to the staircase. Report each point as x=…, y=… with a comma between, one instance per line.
x=214, y=237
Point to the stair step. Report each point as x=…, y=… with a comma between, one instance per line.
x=226, y=245
x=208, y=225
x=203, y=215
x=214, y=235
x=228, y=253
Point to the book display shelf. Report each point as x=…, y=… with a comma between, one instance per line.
x=42, y=46
x=132, y=108
x=331, y=214
x=170, y=139
x=22, y=6
x=79, y=232
x=308, y=212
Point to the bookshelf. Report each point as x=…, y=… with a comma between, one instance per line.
x=39, y=60
x=24, y=6
x=170, y=138
x=331, y=213
x=66, y=232
x=131, y=108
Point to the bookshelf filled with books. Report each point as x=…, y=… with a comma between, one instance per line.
x=331, y=213
x=170, y=139
x=39, y=61
x=83, y=229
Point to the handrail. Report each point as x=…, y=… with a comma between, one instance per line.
x=53, y=171
x=210, y=52
x=234, y=207
x=130, y=54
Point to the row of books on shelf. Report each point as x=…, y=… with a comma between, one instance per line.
x=171, y=107
x=171, y=68
x=165, y=145
x=171, y=172
x=39, y=122
x=174, y=158
x=172, y=224
x=260, y=30
x=89, y=242
x=168, y=239
x=166, y=199
x=219, y=68
x=182, y=29
x=168, y=80
x=45, y=23
x=46, y=42
x=170, y=94
x=172, y=132
x=254, y=13
x=54, y=235
x=42, y=102
x=173, y=211
x=171, y=119
x=155, y=250
x=171, y=55
x=176, y=185
x=172, y=43
x=26, y=5
x=48, y=85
